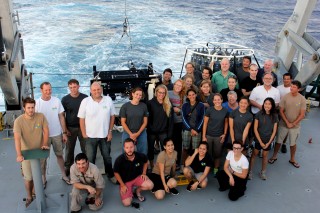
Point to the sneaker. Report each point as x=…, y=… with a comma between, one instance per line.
x=249, y=152
x=263, y=175
x=113, y=180
x=189, y=186
x=284, y=148
x=174, y=191
x=250, y=176
x=199, y=187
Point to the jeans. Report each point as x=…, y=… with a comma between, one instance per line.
x=72, y=140
x=105, y=149
x=142, y=143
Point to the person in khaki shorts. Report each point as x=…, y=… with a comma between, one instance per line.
x=292, y=111
x=30, y=132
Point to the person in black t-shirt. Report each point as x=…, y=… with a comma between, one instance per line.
x=197, y=167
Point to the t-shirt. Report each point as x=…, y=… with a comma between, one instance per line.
x=71, y=106
x=239, y=165
x=249, y=84
x=30, y=130
x=283, y=90
x=221, y=81
x=129, y=170
x=265, y=125
x=240, y=121
x=92, y=176
x=168, y=162
x=259, y=94
x=199, y=165
x=175, y=101
x=292, y=106
x=51, y=109
x=241, y=74
x=215, y=126
x=226, y=105
x=134, y=115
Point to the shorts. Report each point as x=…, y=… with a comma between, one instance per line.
x=196, y=175
x=26, y=168
x=57, y=144
x=258, y=146
x=292, y=133
x=156, y=179
x=138, y=181
x=187, y=139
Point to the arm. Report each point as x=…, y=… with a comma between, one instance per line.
x=143, y=126
x=109, y=137
x=246, y=132
x=144, y=171
x=62, y=120
x=83, y=127
x=45, y=137
x=204, y=128
x=255, y=104
x=231, y=129
x=200, y=116
x=245, y=93
x=123, y=187
x=17, y=142
x=225, y=130
x=89, y=188
x=242, y=175
x=256, y=133
x=274, y=132
x=125, y=126
x=190, y=159
x=161, y=168
x=300, y=117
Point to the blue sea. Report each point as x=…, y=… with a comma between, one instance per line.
x=69, y=37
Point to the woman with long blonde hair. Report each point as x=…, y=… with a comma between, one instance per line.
x=160, y=120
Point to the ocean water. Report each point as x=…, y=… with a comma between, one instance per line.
x=69, y=37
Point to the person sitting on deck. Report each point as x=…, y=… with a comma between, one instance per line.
x=197, y=167
x=85, y=176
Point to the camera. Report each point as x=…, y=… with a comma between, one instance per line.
x=90, y=200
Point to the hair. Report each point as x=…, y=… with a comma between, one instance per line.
x=73, y=81
x=209, y=69
x=182, y=92
x=135, y=90
x=245, y=98
x=28, y=100
x=44, y=83
x=166, y=102
x=232, y=93
x=167, y=70
x=233, y=77
x=128, y=140
x=267, y=73
x=287, y=74
x=81, y=156
x=247, y=57
x=204, y=143
x=253, y=65
x=272, y=110
x=191, y=64
x=189, y=76
x=296, y=83
x=166, y=140
x=238, y=142
x=191, y=90
x=218, y=94
x=202, y=97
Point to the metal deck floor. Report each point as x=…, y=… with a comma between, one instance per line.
x=287, y=189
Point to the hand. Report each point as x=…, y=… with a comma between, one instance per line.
x=20, y=158
x=166, y=188
x=231, y=181
x=204, y=138
x=144, y=177
x=64, y=138
x=195, y=186
x=196, y=151
x=222, y=138
x=290, y=125
x=91, y=190
x=98, y=201
x=68, y=133
x=123, y=189
x=109, y=137
x=85, y=135
x=45, y=147
x=263, y=146
x=194, y=132
x=134, y=136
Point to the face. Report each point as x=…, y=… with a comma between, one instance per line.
x=205, y=88
x=267, y=106
x=237, y=148
x=74, y=88
x=253, y=71
x=161, y=93
x=217, y=101
x=232, y=99
x=137, y=95
x=169, y=147
x=267, y=80
x=294, y=89
x=29, y=109
x=128, y=148
x=287, y=81
x=189, y=69
x=46, y=91
x=177, y=87
x=205, y=75
x=243, y=104
x=225, y=65
x=189, y=82
x=192, y=96
x=245, y=63
x=202, y=150
x=232, y=83
x=268, y=65
x=167, y=76
x=82, y=165
x=96, y=90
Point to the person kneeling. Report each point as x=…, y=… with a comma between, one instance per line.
x=130, y=170
x=198, y=167
x=234, y=175
x=86, y=176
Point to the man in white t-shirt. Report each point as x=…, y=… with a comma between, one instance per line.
x=53, y=110
x=97, y=115
x=285, y=89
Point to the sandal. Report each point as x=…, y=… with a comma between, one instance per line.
x=45, y=185
x=295, y=164
x=28, y=201
x=139, y=197
x=272, y=160
x=66, y=180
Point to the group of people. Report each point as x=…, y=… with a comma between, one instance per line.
x=193, y=119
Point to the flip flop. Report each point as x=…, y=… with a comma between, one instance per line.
x=45, y=185
x=295, y=164
x=139, y=197
x=66, y=180
x=272, y=160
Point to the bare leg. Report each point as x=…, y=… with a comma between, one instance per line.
x=60, y=162
x=252, y=159
x=264, y=160
x=29, y=186
x=293, y=153
x=276, y=150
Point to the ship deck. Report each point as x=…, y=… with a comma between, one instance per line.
x=287, y=189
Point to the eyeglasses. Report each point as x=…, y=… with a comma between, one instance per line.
x=237, y=148
x=161, y=93
x=178, y=85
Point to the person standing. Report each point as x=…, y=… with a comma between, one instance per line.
x=166, y=78
x=96, y=116
x=292, y=111
x=71, y=104
x=220, y=78
x=30, y=132
x=52, y=108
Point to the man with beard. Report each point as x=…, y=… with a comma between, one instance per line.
x=130, y=170
x=243, y=71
